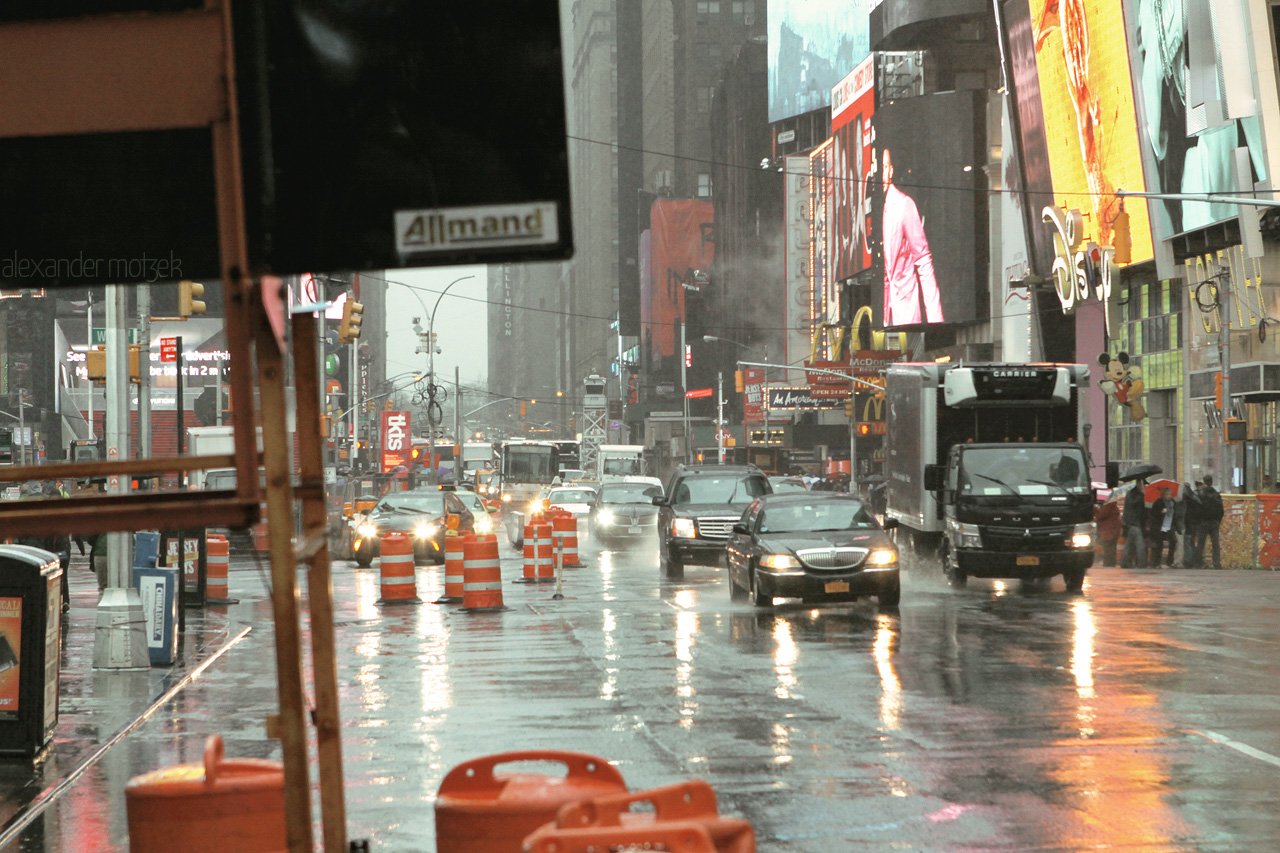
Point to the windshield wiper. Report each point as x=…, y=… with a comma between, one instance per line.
x=1011, y=489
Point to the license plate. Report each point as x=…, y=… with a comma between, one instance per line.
x=837, y=586
x=633, y=529
x=1029, y=561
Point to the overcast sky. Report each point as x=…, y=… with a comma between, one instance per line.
x=461, y=321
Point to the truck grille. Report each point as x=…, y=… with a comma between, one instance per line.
x=832, y=558
x=1025, y=538
x=716, y=527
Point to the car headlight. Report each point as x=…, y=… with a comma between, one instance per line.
x=882, y=557
x=683, y=528
x=425, y=531
x=966, y=535
x=484, y=524
x=535, y=507
x=367, y=529
x=779, y=562
x=1083, y=535
x=605, y=517
x=506, y=499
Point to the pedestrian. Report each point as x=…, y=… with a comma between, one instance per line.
x=1211, y=521
x=1192, y=517
x=1163, y=530
x=1134, y=517
x=1107, y=516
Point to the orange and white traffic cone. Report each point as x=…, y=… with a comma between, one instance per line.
x=530, y=554
x=399, y=581
x=453, y=579
x=546, y=554
x=482, y=576
x=564, y=528
x=217, y=561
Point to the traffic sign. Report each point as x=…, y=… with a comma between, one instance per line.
x=168, y=349
x=99, y=337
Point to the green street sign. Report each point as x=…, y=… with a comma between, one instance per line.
x=100, y=337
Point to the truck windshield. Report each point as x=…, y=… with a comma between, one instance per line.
x=1022, y=470
x=626, y=467
x=530, y=464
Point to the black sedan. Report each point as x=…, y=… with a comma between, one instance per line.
x=817, y=546
x=421, y=514
x=623, y=512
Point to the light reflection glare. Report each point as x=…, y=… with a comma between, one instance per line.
x=606, y=569
x=686, y=629
x=999, y=588
x=890, y=685
x=684, y=598
x=783, y=657
x=1082, y=652
x=433, y=637
x=781, y=743
x=368, y=590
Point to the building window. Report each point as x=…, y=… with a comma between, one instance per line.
x=704, y=95
x=704, y=185
x=740, y=9
x=707, y=8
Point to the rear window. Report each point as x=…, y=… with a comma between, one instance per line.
x=573, y=496
x=726, y=489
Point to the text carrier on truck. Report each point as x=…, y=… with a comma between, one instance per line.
x=986, y=463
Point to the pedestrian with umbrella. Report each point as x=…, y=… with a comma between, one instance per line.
x=1163, y=529
x=1134, y=516
x=1192, y=518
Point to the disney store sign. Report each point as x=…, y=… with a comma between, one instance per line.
x=1080, y=270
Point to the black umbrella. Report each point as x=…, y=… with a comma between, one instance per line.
x=1139, y=472
x=872, y=479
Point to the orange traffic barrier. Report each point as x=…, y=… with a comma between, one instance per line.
x=564, y=527
x=481, y=574
x=219, y=807
x=676, y=837
x=693, y=802
x=546, y=553
x=217, y=561
x=399, y=583
x=261, y=539
x=480, y=811
x=453, y=578
x=530, y=539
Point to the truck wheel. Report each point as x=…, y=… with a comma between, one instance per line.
x=672, y=568
x=955, y=575
x=758, y=598
x=890, y=595
x=1075, y=581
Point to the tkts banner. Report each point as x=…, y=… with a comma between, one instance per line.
x=396, y=440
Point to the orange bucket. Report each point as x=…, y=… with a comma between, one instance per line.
x=215, y=807
x=479, y=811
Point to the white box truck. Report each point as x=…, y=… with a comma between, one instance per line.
x=619, y=460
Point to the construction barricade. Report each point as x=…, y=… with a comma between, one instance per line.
x=480, y=811
x=481, y=575
x=602, y=823
x=539, y=561
x=399, y=583
x=218, y=807
x=453, y=568
x=564, y=527
x=217, y=565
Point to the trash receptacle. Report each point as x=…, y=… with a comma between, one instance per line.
x=30, y=647
x=234, y=806
x=146, y=548
x=158, y=588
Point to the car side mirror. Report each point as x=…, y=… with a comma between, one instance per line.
x=660, y=500
x=739, y=527
x=935, y=478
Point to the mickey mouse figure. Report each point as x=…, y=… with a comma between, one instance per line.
x=1123, y=382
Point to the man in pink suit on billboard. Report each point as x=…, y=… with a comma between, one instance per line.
x=908, y=264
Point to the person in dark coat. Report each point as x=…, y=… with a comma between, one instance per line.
x=1134, y=517
x=1210, y=521
x=1163, y=534
x=1192, y=518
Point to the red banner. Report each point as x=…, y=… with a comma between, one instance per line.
x=682, y=243
x=753, y=398
x=396, y=440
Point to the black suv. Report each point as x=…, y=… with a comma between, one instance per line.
x=698, y=510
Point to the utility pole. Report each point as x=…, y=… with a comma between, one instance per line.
x=120, y=640
x=684, y=389
x=457, y=424
x=144, y=371
x=720, y=413
x=1225, y=461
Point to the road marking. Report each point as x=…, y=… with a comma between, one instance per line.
x=1238, y=747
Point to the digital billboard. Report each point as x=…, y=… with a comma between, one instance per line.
x=1175, y=63
x=852, y=105
x=929, y=209
x=1090, y=126
x=681, y=245
x=812, y=45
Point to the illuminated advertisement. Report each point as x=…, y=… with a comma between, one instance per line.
x=822, y=289
x=682, y=248
x=812, y=44
x=396, y=440
x=1090, y=127
x=799, y=237
x=1176, y=62
x=852, y=105
x=929, y=209
x=10, y=655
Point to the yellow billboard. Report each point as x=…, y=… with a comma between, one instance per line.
x=1089, y=120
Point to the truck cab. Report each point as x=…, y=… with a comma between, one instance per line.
x=1016, y=511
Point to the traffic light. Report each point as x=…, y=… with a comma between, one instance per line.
x=848, y=408
x=864, y=429
x=326, y=426
x=349, y=328
x=189, y=301
x=134, y=359
x=1236, y=429
x=739, y=382
x=95, y=364
x=1120, y=239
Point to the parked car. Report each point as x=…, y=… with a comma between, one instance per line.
x=698, y=510
x=817, y=546
x=787, y=485
x=421, y=514
x=623, y=513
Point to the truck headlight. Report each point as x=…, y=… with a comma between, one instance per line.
x=779, y=562
x=683, y=528
x=1083, y=535
x=506, y=499
x=966, y=535
x=882, y=557
x=368, y=530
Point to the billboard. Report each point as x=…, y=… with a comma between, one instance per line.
x=397, y=440
x=1090, y=127
x=812, y=44
x=929, y=209
x=1189, y=149
x=681, y=246
x=798, y=187
x=852, y=105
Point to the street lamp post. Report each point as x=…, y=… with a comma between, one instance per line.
x=432, y=403
x=764, y=401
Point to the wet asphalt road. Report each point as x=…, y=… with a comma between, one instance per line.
x=1138, y=716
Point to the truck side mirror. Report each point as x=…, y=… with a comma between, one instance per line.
x=1113, y=474
x=935, y=478
x=741, y=529
x=660, y=500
